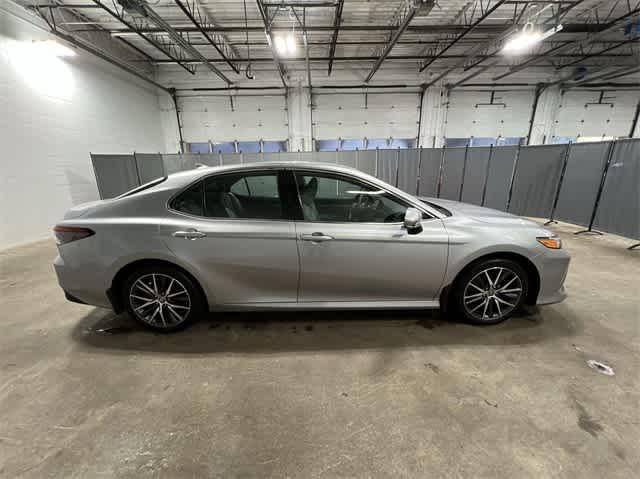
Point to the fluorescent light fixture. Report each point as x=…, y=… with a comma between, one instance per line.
x=528, y=38
x=281, y=45
x=286, y=46
x=54, y=49
x=291, y=44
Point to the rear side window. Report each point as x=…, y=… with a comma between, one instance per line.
x=250, y=195
x=190, y=201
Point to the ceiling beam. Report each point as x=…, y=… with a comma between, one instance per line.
x=267, y=31
x=484, y=14
x=401, y=19
x=337, y=18
x=578, y=44
x=193, y=10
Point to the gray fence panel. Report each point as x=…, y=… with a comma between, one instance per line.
x=474, y=175
x=231, y=159
x=387, y=165
x=325, y=156
x=430, y=159
x=500, y=171
x=408, y=170
x=619, y=208
x=172, y=163
x=536, y=180
x=367, y=161
x=452, y=173
x=347, y=158
x=305, y=156
x=251, y=157
x=581, y=182
x=149, y=166
x=272, y=156
x=115, y=174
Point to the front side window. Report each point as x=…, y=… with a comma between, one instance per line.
x=249, y=195
x=336, y=198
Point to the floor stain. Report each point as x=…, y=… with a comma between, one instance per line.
x=308, y=327
x=433, y=367
x=586, y=422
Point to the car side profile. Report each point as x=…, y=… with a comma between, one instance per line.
x=297, y=235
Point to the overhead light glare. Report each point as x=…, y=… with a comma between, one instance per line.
x=286, y=45
x=54, y=49
x=527, y=38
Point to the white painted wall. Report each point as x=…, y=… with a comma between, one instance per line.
x=53, y=112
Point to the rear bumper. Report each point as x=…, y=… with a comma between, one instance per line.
x=80, y=286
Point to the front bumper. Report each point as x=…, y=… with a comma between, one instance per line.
x=553, y=268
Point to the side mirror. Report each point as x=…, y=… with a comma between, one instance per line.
x=412, y=218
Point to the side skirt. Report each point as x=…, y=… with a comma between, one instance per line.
x=331, y=305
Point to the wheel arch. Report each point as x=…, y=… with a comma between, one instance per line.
x=533, y=275
x=123, y=273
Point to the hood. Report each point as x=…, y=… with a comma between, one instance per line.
x=82, y=209
x=479, y=213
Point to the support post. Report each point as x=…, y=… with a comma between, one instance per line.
x=397, y=166
x=603, y=179
x=419, y=175
x=513, y=177
x=464, y=171
x=534, y=110
x=441, y=171
x=565, y=161
x=486, y=175
x=174, y=97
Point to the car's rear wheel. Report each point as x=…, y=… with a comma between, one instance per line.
x=491, y=291
x=162, y=298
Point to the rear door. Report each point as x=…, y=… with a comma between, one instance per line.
x=234, y=228
x=353, y=246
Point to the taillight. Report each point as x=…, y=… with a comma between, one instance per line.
x=67, y=234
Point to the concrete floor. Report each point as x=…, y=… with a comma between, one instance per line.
x=367, y=394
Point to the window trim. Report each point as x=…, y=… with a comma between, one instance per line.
x=276, y=171
x=395, y=197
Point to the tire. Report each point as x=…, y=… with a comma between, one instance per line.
x=480, y=302
x=171, y=305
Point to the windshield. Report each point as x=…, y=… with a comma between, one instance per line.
x=140, y=188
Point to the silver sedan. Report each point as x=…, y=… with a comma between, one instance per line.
x=296, y=235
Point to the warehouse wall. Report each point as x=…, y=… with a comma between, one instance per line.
x=459, y=113
x=55, y=111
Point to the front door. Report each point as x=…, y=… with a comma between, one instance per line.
x=353, y=246
x=235, y=231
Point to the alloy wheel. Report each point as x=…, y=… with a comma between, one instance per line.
x=160, y=300
x=492, y=293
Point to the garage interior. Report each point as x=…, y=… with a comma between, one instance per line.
x=529, y=107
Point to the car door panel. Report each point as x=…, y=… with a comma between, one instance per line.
x=241, y=261
x=371, y=262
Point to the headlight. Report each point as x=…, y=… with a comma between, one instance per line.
x=552, y=242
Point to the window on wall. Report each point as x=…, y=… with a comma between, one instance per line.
x=226, y=147
x=249, y=147
x=199, y=147
x=365, y=144
x=274, y=146
x=483, y=141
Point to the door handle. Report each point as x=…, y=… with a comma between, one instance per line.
x=190, y=234
x=316, y=237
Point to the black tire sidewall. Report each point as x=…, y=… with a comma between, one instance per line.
x=197, y=299
x=466, y=276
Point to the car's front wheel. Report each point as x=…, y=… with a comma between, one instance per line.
x=491, y=291
x=162, y=298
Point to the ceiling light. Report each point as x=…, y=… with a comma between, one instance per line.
x=54, y=49
x=291, y=44
x=528, y=38
x=286, y=45
x=281, y=45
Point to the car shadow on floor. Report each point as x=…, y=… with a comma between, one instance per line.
x=272, y=332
